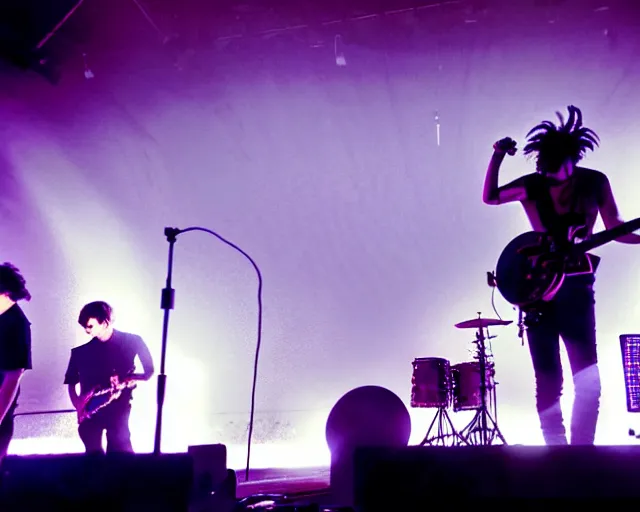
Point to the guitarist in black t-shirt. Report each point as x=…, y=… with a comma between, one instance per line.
x=562, y=200
x=104, y=369
x=15, y=348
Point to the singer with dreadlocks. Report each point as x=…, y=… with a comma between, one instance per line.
x=15, y=348
x=561, y=198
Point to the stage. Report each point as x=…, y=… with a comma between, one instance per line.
x=400, y=478
x=295, y=481
x=408, y=478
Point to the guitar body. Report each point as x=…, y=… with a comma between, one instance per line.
x=532, y=267
x=524, y=278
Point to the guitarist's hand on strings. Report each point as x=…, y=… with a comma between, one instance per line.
x=506, y=145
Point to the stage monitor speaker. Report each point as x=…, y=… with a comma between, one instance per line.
x=411, y=478
x=123, y=483
x=209, y=467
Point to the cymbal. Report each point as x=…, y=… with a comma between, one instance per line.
x=481, y=323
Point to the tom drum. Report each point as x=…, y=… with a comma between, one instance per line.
x=431, y=383
x=466, y=385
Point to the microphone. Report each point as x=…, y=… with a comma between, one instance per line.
x=171, y=233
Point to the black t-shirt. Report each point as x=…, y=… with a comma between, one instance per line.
x=15, y=341
x=94, y=363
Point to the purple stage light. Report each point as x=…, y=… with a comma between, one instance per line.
x=630, y=346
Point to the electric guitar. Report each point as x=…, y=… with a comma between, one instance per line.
x=532, y=267
x=100, y=398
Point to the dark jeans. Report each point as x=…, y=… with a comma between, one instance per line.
x=114, y=419
x=6, y=431
x=570, y=316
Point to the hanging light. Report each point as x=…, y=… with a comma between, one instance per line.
x=337, y=48
x=88, y=74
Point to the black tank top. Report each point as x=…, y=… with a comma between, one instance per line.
x=585, y=192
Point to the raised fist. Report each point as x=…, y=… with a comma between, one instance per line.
x=506, y=145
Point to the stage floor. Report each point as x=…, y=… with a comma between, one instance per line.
x=290, y=482
x=405, y=476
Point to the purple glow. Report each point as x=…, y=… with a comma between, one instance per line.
x=372, y=238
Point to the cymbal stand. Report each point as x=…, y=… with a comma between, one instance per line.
x=483, y=429
x=441, y=432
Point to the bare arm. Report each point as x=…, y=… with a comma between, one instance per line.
x=494, y=194
x=8, y=389
x=611, y=215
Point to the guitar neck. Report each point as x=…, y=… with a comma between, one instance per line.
x=604, y=237
x=114, y=389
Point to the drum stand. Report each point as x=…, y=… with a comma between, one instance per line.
x=441, y=432
x=483, y=429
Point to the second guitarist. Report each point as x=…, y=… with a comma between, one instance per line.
x=564, y=200
x=102, y=368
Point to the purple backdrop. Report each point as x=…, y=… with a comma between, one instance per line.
x=372, y=239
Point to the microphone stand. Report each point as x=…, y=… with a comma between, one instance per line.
x=167, y=303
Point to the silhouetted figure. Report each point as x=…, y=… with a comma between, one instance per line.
x=15, y=348
x=561, y=198
x=104, y=369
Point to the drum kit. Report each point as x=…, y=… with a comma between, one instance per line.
x=467, y=386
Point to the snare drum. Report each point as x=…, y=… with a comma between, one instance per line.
x=466, y=385
x=431, y=383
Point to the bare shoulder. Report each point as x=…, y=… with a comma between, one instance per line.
x=524, y=182
x=530, y=183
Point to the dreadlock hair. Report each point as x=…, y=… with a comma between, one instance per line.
x=12, y=283
x=555, y=145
